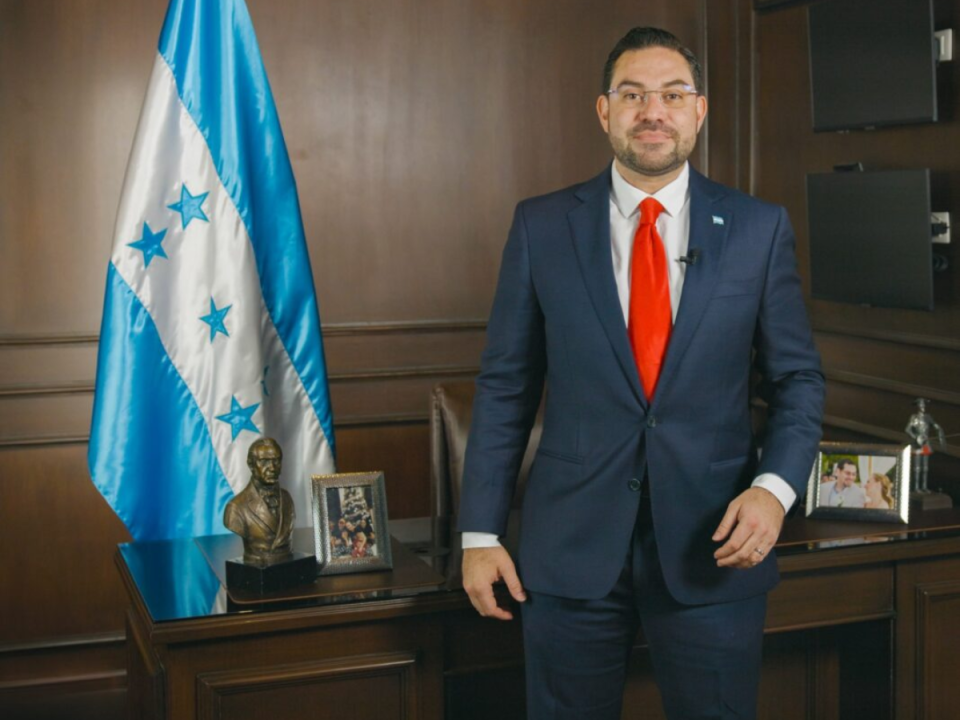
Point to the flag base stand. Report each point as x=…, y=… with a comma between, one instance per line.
x=265, y=579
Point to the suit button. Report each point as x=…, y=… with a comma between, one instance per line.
x=651, y=421
x=634, y=485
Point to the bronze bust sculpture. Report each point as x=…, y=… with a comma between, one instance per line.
x=263, y=513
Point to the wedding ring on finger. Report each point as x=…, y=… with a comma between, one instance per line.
x=759, y=552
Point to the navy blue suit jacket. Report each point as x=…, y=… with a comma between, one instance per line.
x=556, y=318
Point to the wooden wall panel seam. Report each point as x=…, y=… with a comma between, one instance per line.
x=41, y=440
x=72, y=642
x=413, y=327
x=45, y=339
x=385, y=419
x=328, y=330
x=358, y=421
x=90, y=681
x=929, y=341
x=405, y=372
x=416, y=371
x=849, y=377
x=895, y=436
x=817, y=624
x=46, y=389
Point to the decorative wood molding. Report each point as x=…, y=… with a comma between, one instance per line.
x=72, y=642
x=930, y=341
x=867, y=555
x=48, y=339
x=43, y=440
x=415, y=327
x=78, y=388
x=394, y=373
x=87, y=682
x=859, y=379
x=213, y=688
x=407, y=372
x=881, y=432
x=349, y=422
x=54, y=672
x=327, y=329
x=385, y=419
x=930, y=632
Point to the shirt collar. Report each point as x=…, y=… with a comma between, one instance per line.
x=672, y=196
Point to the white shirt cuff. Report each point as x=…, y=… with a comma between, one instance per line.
x=779, y=487
x=472, y=540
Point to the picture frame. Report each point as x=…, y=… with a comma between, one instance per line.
x=860, y=481
x=350, y=523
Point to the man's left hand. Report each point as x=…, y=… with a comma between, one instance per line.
x=750, y=527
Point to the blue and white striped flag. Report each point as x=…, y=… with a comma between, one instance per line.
x=211, y=335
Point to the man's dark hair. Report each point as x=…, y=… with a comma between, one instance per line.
x=842, y=463
x=645, y=37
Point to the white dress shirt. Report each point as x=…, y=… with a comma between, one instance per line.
x=674, y=228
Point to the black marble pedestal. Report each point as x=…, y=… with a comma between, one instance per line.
x=263, y=579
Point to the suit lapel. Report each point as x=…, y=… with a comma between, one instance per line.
x=590, y=225
x=709, y=224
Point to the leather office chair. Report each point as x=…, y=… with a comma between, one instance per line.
x=451, y=411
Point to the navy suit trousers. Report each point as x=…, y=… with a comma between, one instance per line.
x=706, y=657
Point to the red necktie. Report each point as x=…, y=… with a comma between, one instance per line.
x=650, y=316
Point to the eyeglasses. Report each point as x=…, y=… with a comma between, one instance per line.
x=671, y=98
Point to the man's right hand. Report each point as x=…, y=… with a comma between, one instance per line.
x=482, y=567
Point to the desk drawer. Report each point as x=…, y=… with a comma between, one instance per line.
x=831, y=598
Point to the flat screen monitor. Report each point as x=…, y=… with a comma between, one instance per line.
x=872, y=63
x=870, y=238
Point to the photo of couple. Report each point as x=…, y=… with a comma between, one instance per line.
x=858, y=481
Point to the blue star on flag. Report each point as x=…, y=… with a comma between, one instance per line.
x=239, y=417
x=149, y=244
x=189, y=206
x=215, y=319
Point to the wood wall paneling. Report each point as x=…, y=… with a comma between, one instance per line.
x=876, y=360
x=72, y=80
x=726, y=138
x=397, y=449
x=58, y=570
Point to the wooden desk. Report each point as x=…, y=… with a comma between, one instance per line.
x=863, y=625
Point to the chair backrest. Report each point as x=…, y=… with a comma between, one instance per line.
x=451, y=411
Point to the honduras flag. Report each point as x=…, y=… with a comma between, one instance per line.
x=211, y=336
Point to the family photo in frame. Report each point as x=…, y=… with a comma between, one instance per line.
x=350, y=523
x=856, y=481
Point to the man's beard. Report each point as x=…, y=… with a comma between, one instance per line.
x=652, y=163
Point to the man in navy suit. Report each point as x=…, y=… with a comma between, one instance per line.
x=648, y=502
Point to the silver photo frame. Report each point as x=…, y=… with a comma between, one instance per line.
x=860, y=481
x=350, y=523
